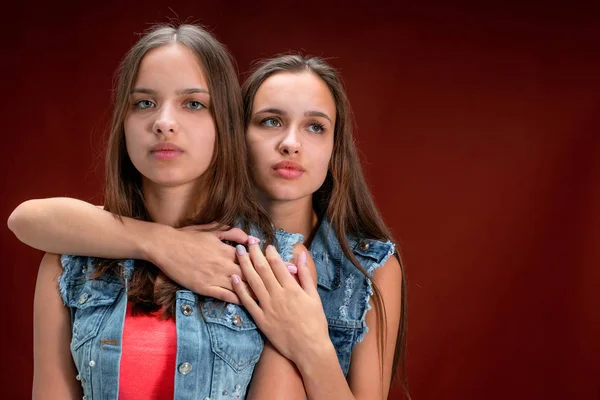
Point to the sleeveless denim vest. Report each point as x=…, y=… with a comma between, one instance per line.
x=218, y=344
x=344, y=290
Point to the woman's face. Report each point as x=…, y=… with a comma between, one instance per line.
x=290, y=135
x=169, y=130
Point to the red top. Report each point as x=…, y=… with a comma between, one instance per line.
x=148, y=357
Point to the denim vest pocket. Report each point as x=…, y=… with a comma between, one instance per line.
x=233, y=334
x=89, y=301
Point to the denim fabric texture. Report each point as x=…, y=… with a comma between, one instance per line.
x=218, y=343
x=345, y=292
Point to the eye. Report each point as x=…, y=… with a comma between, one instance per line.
x=316, y=128
x=271, y=122
x=144, y=104
x=194, y=105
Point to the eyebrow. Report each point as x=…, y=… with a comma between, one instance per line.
x=271, y=111
x=283, y=113
x=317, y=114
x=177, y=92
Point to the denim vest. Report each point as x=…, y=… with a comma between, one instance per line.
x=344, y=290
x=218, y=344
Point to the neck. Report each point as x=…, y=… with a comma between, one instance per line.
x=295, y=216
x=170, y=205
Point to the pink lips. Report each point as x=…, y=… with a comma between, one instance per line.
x=166, y=151
x=288, y=169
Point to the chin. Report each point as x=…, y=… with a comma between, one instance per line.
x=167, y=180
x=286, y=193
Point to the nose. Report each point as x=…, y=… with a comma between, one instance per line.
x=165, y=124
x=290, y=143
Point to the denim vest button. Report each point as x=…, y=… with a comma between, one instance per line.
x=83, y=298
x=78, y=377
x=237, y=320
x=364, y=246
x=103, y=318
x=187, y=310
x=225, y=392
x=185, y=368
x=206, y=398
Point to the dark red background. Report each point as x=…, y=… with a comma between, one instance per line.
x=479, y=129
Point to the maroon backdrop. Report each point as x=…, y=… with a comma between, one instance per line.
x=479, y=129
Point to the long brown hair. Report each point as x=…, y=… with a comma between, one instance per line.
x=344, y=198
x=227, y=194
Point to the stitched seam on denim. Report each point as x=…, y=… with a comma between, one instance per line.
x=369, y=293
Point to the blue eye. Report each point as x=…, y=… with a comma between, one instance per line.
x=144, y=104
x=194, y=105
x=316, y=128
x=271, y=122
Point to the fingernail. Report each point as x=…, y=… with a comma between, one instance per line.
x=236, y=279
x=240, y=250
x=254, y=239
x=302, y=258
x=271, y=248
x=292, y=268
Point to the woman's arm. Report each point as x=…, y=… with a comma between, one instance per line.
x=321, y=371
x=53, y=369
x=292, y=317
x=195, y=259
x=276, y=377
x=70, y=226
x=365, y=366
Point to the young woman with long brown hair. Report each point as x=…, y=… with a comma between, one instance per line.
x=119, y=328
x=308, y=177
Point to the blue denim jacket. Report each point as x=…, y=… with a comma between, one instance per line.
x=344, y=290
x=218, y=344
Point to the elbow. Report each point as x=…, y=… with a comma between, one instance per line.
x=19, y=219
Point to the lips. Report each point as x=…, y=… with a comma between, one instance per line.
x=165, y=146
x=288, y=169
x=166, y=151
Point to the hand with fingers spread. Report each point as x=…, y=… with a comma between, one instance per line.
x=287, y=311
x=196, y=258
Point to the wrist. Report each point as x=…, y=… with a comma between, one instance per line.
x=150, y=241
x=318, y=356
